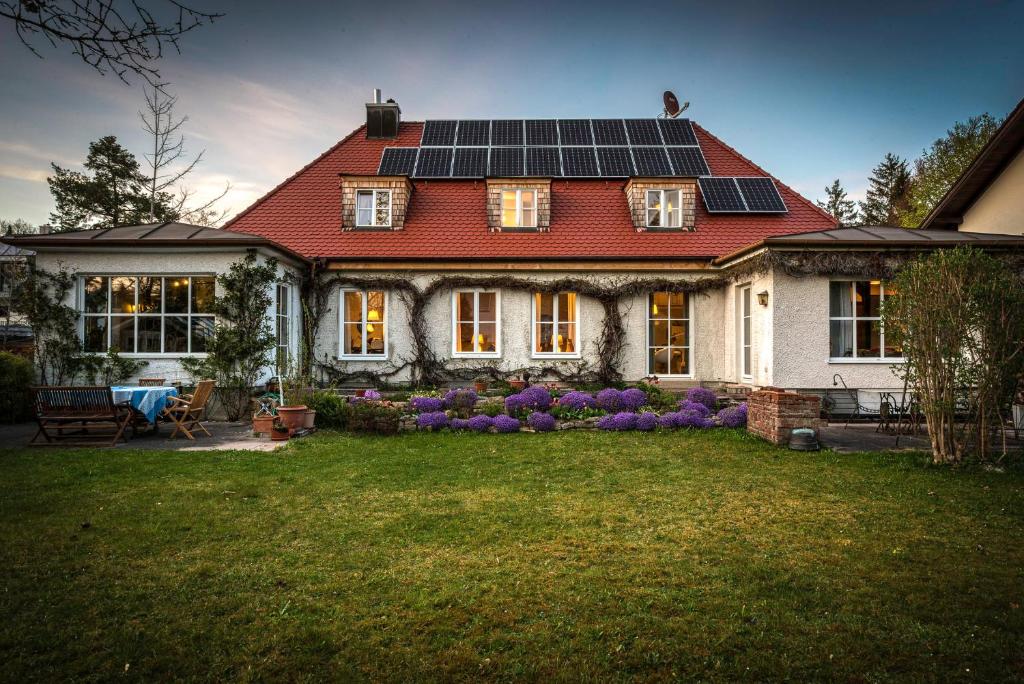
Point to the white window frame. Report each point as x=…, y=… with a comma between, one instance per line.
x=854, y=319
x=162, y=314
x=341, y=325
x=664, y=212
x=285, y=291
x=496, y=354
x=745, y=337
x=691, y=336
x=519, y=207
x=373, y=192
x=555, y=320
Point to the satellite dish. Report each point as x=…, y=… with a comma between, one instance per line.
x=672, y=108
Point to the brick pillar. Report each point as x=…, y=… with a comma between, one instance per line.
x=773, y=413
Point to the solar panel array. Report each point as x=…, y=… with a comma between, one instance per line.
x=736, y=195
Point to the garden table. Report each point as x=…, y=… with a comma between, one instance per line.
x=147, y=401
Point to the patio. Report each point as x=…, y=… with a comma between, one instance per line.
x=224, y=437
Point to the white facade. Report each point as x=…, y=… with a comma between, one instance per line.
x=1000, y=209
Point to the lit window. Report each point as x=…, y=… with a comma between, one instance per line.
x=554, y=324
x=519, y=208
x=855, y=320
x=147, y=314
x=373, y=208
x=668, y=333
x=664, y=209
x=476, y=319
x=283, y=327
x=364, y=326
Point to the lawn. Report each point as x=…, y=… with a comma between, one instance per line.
x=562, y=556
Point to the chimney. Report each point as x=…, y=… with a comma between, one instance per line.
x=382, y=118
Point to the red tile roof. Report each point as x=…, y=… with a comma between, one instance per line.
x=447, y=218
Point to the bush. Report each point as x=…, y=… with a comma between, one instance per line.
x=646, y=421
x=693, y=418
x=374, y=417
x=541, y=422
x=657, y=398
x=733, y=416
x=534, y=398
x=632, y=399
x=492, y=408
x=458, y=424
x=372, y=395
x=609, y=399
x=687, y=405
x=480, y=423
x=426, y=404
x=506, y=424
x=576, y=401
x=332, y=410
x=668, y=420
x=564, y=413
x=432, y=420
x=704, y=396
x=461, y=399
x=16, y=374
x=623, y=420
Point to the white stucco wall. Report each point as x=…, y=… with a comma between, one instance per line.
x=166, y=262
x=1001, y=208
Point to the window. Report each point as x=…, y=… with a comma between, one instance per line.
x=373, y=208
x=668, y=333
x=855, y=323
x=283, y=327
x=475, y=314
x=363, y=323
x=554, y=324
x=746, y=367
x=147, y=314
x=519, y=208
x=664, y=209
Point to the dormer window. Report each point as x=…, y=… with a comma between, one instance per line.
x=373, y=208
x=519, y=208
x=664, y=209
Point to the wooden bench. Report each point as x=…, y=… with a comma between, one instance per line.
x=82, y=416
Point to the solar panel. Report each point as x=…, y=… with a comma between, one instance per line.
x=643, y=132
x=721, y=195
x=439, y=133
x=615, y=162
x=609, y=132
x=541, y=132
x=579, y=161
x=507, y=132
x=398, y=161
x=651, y=161
x=470, y=162
x=761, y=195
x=677, y=131
x=434, y=162
x=688, y=161
x=506, y=162
x=542, y=161
x=575, y=132
x=474, y=134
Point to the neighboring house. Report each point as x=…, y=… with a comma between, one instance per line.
x=446, y=249
x=15, y=335
x=989, y=196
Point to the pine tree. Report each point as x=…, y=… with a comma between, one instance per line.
x=843, y=210
x=886, y=201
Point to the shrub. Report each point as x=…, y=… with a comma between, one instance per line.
x=691, y=418
x=623, y=420
x=506, y=424
x=433, y=420
x=374, y=417
x=609, y=399
x=564, y=413
x=492, y=408
x=332, y=410
x=480, y=423
x=733, y=416
x=576, y=401
x=657, y=398
x=458, y=424
x=646, y=421
x=632, y=399
x=16, y=375
x=541, y=422
x=426, y=404
x=687, y=405
x=461, y=399
x=372, y=395
x=537, y=398
x=668, y=420
x=704, y=396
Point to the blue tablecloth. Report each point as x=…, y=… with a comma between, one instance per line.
x=149, y=401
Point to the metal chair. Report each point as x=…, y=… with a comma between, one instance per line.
x=858, y=409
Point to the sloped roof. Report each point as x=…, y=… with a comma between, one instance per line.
x=447, y=218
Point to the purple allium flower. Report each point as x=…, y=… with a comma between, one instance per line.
x=506, y=424
x=480, y=423
x=733, y=416
x=458, y=424
x=576, y=401
x=460, y=398
x=704, y=396
x=609, y=399
x=646, y=421
x=536, y=397
x=668, y=420
x=372, y=395
x=426, y=404
x=632, y=399
x=433, y=419
x=541, y=422
x=687, y=405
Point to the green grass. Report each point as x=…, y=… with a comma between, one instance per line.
x=562, y=556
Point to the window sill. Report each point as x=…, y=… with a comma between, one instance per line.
x=362, y=357
x=519, y=229
x=370, y=229
x=476, y=355
x=154, y=355
x=552, y=355
x=867, y=361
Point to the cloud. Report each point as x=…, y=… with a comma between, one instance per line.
x=23, y=173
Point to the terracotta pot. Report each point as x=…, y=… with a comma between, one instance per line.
x=309, y=419
x=360, y=393
x=517, y=384
x=292, y=416
x=480, y=387
x=281, y=436
x=262, y=424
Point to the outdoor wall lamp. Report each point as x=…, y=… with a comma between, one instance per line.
x=762, y=298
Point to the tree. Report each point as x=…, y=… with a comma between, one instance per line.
x=886, y=200
x=942, y=164
x=169, y=165
x=118, y=36
x=17, y=227
x=113, y=195
x=39, y=299
x=843, y=210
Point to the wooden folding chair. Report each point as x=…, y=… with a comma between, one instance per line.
x=152, y=382
x=187, y=411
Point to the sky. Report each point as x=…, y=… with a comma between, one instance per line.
x=810, y=91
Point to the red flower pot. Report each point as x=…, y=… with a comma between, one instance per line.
x=292, y=417
x=262, y=424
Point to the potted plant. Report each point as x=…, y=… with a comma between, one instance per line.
x=262, y=423
x=517, y=384
x=279, y=432
x=292, y=416
x=309, y=419
x=480, y=384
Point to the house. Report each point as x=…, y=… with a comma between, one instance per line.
x=575, y=249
